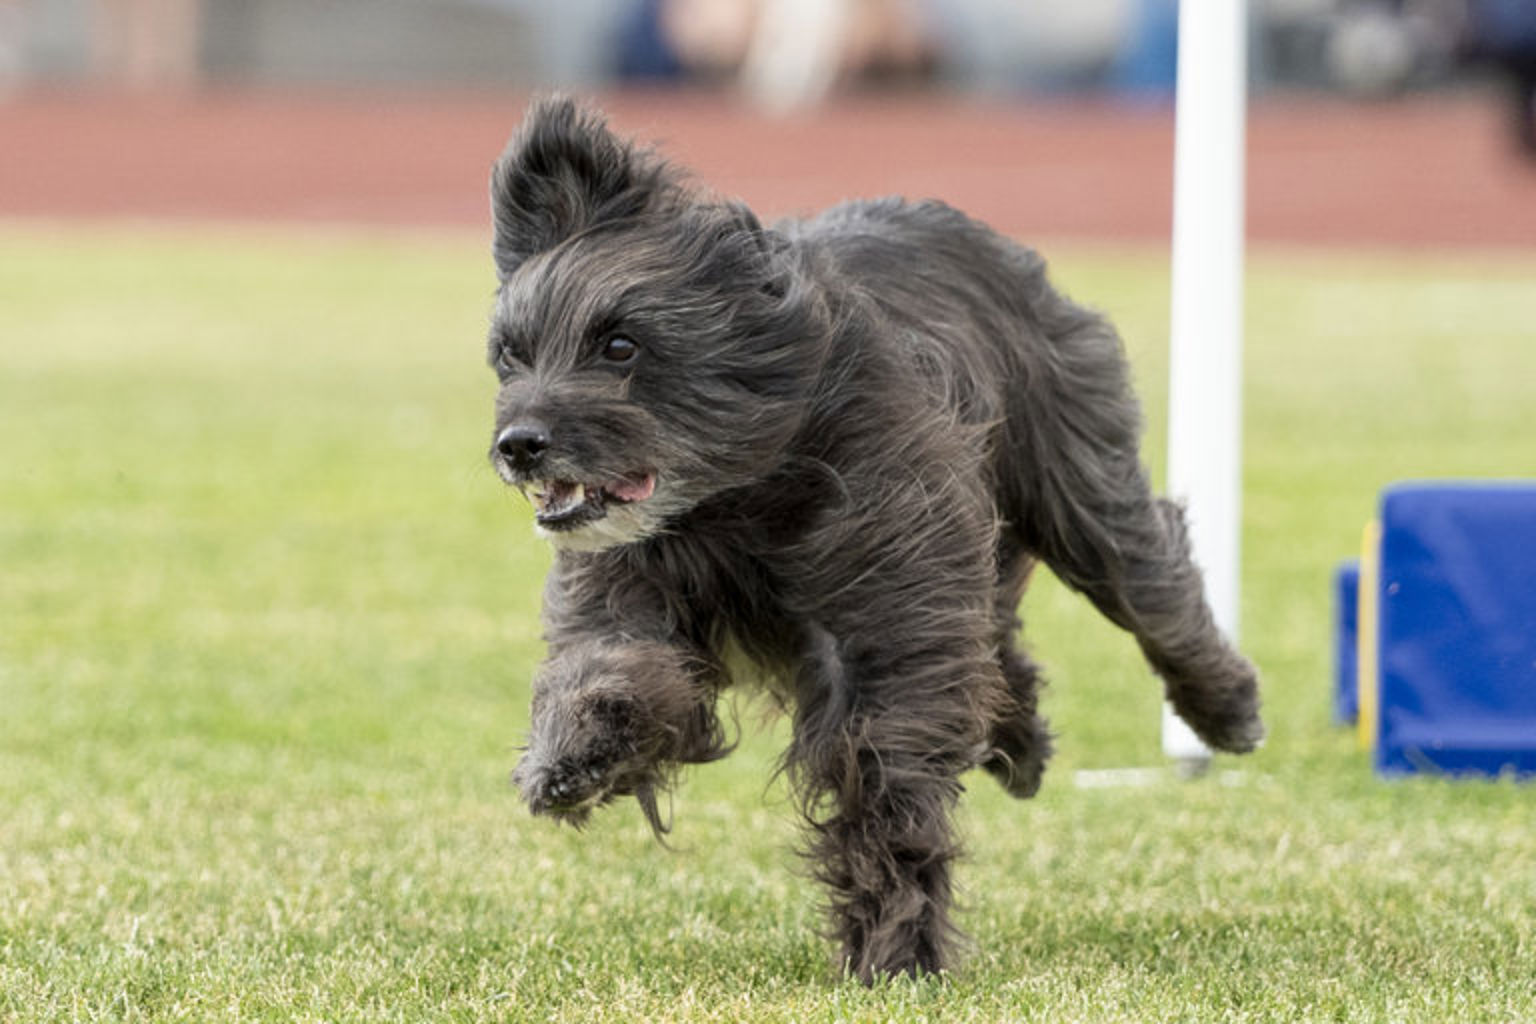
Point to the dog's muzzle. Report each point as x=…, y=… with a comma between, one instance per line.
x=562, y=502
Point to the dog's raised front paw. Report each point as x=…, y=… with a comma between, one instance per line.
x=581, y=755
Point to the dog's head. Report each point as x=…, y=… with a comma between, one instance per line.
x=654, y=348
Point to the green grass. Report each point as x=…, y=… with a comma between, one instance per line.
x=267, y=623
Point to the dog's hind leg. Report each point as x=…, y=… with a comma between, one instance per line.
x=1160, y=598
x=1080, y=499
x=1021, y=740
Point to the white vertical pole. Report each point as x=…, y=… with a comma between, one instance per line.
x=1205, y=369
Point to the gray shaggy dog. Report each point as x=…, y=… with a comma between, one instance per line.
x=838, y=446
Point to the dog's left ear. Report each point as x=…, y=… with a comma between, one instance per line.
x=564, y=171
x=765, y=244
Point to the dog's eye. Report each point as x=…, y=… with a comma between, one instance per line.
x=507, y=360
x=620, y=350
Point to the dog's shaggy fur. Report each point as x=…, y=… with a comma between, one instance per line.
x=839, y=445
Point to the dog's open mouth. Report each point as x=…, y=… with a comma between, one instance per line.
x=567, y=504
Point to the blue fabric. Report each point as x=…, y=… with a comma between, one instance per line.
x=1148, y=62
x=1346, y=641
x=643, y=51
x=1506, y=26
x=1458, y=628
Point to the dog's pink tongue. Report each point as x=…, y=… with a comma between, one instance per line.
x=635, y=487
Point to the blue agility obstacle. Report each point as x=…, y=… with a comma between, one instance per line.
x=1454, y=587
x=1346, y=640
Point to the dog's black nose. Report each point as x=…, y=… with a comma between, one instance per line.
x=523, y=445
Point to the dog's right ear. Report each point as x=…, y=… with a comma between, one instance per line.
x=564, y=171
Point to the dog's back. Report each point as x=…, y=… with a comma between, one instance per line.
x=946, y=287
x=984, y=334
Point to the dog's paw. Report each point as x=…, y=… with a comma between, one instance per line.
x=1020, y=778
x=1240, y=734
x=1020, y=749
x=1232, y=725
x=566, y=791
x=1221, y=705
x=614, y=720
x=583, y=757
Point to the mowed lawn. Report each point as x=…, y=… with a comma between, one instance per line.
x=268, y=620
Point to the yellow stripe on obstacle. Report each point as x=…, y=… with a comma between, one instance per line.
x=1366, y=637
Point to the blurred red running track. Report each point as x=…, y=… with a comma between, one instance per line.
x=1422, y=172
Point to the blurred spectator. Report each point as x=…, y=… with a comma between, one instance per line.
x=783, y=53
x=146, y=44
x=1504, y=31
x=1383, y=47
x=12, y=59
x=578, y=40
x=791, y=52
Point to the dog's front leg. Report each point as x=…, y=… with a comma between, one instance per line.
x=880, y=741
x=614, y=718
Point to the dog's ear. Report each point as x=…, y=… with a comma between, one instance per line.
x=564, y=171
x=766, y=243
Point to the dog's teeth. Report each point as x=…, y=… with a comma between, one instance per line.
x=559, y=497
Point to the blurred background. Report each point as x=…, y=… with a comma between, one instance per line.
x=268, y=618
x=795, y=50
x=1375, y=121
x=1381, y=122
